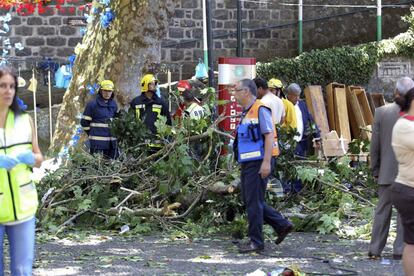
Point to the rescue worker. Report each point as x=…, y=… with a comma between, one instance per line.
x=255, y=148
x=18, y=197
x=270, y=100
x=148, y=107
x=193, y=109
x=182, y=85
x=276, y=87
x=95, y=121
x=191, y=106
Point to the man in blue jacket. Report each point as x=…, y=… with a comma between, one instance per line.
x=95, y=121
x=308, y=131
x=306, y=126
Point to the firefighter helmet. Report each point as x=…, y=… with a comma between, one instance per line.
x=183, y=85
x=275, y=83
x=107, y=85
x=146, y=80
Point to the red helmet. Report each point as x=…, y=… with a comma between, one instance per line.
x=183, y=85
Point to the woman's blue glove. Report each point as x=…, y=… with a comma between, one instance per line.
x=26, y=157
x=8, y=162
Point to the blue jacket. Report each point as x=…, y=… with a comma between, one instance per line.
x=309, y=126
x=95, y=122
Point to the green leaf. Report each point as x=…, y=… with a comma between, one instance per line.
x=163, y=188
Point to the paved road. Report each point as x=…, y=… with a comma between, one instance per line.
x=111, y=254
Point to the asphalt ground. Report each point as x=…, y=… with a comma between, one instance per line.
x=109, y=253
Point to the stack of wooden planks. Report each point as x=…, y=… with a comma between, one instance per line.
x=346, y=113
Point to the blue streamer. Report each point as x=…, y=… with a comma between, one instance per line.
x=21, y=104
x=105, y=2
x=71, y=60
x=83, y=31
x=107, y=17
x=92, y=88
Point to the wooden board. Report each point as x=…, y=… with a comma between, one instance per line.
x=332, y=145
x=358, y=120
x=371, y=103
x=316, y=105
x=341, y=114
x=330, y=98
x=355, y=131
x=363, y=103
x=378, y=99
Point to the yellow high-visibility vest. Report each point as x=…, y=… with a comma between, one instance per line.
x=18, y=195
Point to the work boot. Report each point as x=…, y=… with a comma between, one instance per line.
x=250, y=247
x=373, y=257
x=283, y=233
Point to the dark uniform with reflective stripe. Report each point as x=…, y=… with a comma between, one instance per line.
x=95, y=122
x=149, y=110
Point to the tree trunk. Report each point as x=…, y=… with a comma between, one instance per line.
x=122, y=52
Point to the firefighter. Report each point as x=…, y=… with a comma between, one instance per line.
x=182, y=86
x=95, y=121
x=148, y=107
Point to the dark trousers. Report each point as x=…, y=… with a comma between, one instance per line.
x=111, y=153
x=292, y=186
x=382, y=221
x=403, y=198
x=295, y=186
x=253, y=189
x=302, y=148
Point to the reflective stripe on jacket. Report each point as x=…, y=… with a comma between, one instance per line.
x=149, y=110
x=195, y=111
x=95, y=123
x=18, y=195
x=250, y=140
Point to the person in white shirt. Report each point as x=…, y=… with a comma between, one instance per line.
x=271, y=101
x=193, y=109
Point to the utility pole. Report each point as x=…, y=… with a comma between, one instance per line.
x=300, y=23
x=379, y=20
x=239, y=51
x=209, y=44
x=205, y=47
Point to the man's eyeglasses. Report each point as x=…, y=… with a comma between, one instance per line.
x=237, y=89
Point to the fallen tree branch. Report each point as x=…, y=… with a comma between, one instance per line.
x=347, y=191
x=189, y=208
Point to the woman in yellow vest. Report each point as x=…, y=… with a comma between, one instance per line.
x=19, y=152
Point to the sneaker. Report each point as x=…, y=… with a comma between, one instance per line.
x=282, y=234
x=250, y=247
x=373, y=257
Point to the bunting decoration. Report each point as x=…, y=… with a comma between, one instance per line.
x=29, y=7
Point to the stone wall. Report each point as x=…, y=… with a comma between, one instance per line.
x=387, y=73
x=43, y=126
x=48, y=35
